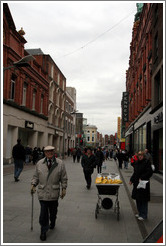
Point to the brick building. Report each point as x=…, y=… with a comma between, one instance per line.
x=140, y=77
x=25, y=105
x=37, y=108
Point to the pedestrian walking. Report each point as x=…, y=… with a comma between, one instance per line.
x=88, y=164
x=51, y=178
x=18, y=153
x=141, y=177
x=74, y=154
x=35, y=156
x=126, y=159
x=111, y=154
x=120, y=157
x=114, y=154
x=78, y=154
x=28, y=154
x=99, y=159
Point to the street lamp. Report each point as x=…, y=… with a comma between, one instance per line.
x=23, y=62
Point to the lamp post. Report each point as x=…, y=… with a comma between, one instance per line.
x=23, y=62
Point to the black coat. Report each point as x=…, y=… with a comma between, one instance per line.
x=143, y=171
x=18, y=152
x=88, y=163
x=99, y=158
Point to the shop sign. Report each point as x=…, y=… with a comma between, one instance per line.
x=125, y=107
x=158, y=118
x=29, y=124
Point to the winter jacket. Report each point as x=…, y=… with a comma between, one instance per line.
x=49, y=181
x=18, y=152
x=99, y=158
x=88, y=163
x=143, y=171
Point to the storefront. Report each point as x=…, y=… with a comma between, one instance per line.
x=16, y=124
x=147, y=132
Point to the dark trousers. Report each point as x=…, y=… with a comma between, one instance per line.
x=120, y=163
x=78, y=158
x=74, y=158
x=88, y=178
x=18, y=167
x=48, y=211
x=99, y=168
x=142, y=207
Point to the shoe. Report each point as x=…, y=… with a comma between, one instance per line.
x=137, y=215
x=88, y=187
x=43, y=236
x=16, y=179
x=52, y=227
x=140, y=218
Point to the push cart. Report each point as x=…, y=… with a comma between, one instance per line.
x=105, y=193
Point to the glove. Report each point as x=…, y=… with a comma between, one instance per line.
x=63, y=193
x=33, y=189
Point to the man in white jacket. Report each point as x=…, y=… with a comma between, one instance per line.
x=51, y=177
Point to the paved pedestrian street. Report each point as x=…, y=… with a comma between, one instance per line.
x=76, y=222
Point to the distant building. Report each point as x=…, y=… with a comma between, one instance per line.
x=91, y=135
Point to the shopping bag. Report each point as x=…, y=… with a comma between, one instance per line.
x=142, y=184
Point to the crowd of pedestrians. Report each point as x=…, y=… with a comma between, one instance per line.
x=51, y=178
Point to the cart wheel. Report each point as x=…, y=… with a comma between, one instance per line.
x=117, y=210
x=97, y=210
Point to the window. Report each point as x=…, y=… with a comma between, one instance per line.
x=12, y=88
x=41, y=105
x=88, y=139
x=93, y=139
x=52, y=71
x=24, y=97
x=34, y=100
x=156, y=46
x=157, y=89
x=58, y=79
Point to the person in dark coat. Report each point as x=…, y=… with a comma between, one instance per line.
x=142, y=171
x=78, y=154
x=18, y=154
x=120, y=157
x=99, y=159
x=126, y=159
x=74, y=154
x=35, y=156
x=88, y=164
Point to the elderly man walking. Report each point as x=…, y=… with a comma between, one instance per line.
x=51, y=177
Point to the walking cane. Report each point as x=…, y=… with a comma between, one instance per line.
x=32, y=214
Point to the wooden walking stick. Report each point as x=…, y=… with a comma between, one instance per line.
x=32, y=214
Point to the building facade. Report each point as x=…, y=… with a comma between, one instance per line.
x=142, y=78
x=25, y=94
x=37, y=106
x=90, y=132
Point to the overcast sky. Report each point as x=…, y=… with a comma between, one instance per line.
x=90, y=43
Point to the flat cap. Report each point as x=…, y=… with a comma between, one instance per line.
x=49, y=148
